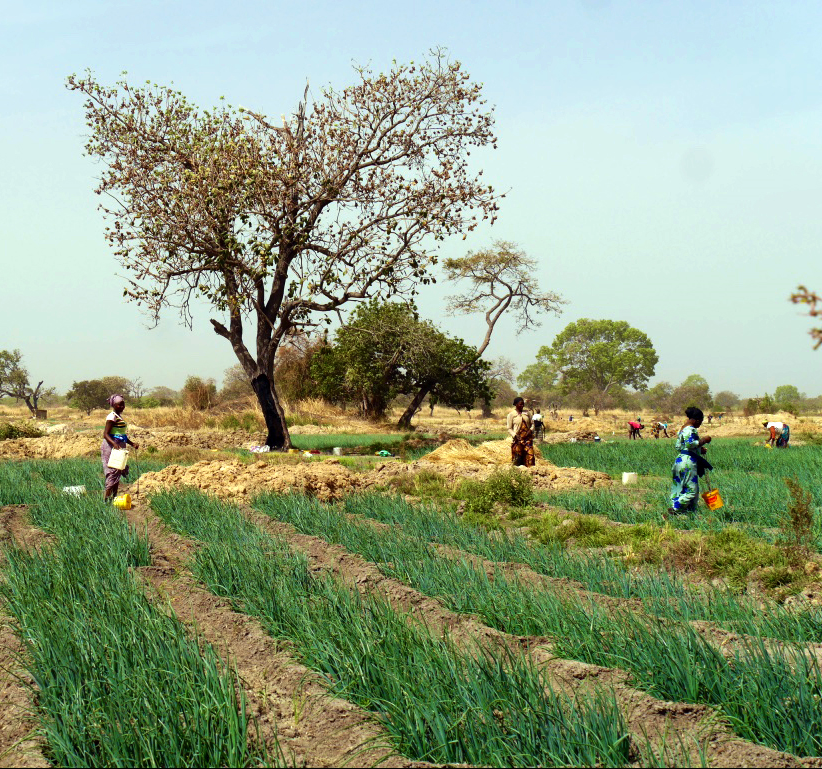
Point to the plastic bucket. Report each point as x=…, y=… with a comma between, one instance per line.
x=628, y=478
x=122, y=502
x=337, y=451
x=713, y=499
x=118, y=459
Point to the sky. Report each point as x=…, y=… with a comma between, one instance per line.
x=662, y=162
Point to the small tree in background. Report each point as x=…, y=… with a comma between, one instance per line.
x=14, y=381
x=594, y=357
x=725, y=400
x=235, y=384
x=694, y=391
x=89, y=394
x=199, y=394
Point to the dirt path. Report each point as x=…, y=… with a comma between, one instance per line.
x=19, y=743
x=689, y=727
x=289, y=700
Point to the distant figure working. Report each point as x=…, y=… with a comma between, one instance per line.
x=114, y=437
x=659, y=427
x=780, y=434
x=539, y=427
x=522, y=436
x=634, y=429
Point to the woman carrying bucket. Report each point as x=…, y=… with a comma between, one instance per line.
x=689, y=446
x=114, y=437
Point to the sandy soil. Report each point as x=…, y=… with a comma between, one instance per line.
x=328, y=479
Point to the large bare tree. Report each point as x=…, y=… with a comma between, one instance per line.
x=500, y=279
x=280, y=226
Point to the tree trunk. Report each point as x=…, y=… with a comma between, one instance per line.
x=278, y=438
x=32, y=408
x=487, y=413
x=416, y=402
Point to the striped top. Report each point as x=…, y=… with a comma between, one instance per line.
x=118, y=428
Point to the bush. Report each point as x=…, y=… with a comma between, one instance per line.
x=797, y=525
x=509, y=487
x=247, y=420
x=12, y=430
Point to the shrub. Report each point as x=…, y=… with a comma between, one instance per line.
x=11, y=430
x=509, y=487
x=796, y=525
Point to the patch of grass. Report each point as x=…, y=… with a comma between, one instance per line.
x=346, y=440
x=249, y=421
x=426, y=483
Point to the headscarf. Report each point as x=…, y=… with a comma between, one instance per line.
x=116, y=400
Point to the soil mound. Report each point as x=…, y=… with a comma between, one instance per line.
x=87, y=444
x=458, y=459
x=325, y=480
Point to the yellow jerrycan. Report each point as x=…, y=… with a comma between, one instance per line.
x=122, y=502
x=712, y=497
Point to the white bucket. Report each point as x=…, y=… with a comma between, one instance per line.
x=628, y=478
x=337, y=451
x=74, y=490
x=118, y=459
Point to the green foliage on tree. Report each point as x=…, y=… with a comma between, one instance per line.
x=386, y=350
x=89, y=394
x=14, y=381
x=788, y=398
x=694, y=391
x=598, y=356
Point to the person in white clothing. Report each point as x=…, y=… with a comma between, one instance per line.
x=538, y=424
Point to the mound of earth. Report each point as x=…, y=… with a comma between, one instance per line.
x=458, y=459
x=87, y=444
x=236, y=480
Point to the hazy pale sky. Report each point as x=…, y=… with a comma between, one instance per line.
x=663, y=163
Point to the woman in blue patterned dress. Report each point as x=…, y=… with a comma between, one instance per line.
x=685, y=487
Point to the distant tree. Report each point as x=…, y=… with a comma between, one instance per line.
x=292, y=370
x=89, y=394
x=596, y=356
x=136, y=389
x=117, y=385
x=538, y=377
x=788, y=395
x=235, y=384
x=281, y=226
x=694, y=391
x=725, y=400
x=386, y=350
x=14, y=381
x=658, y=397
x=763, y=405
x=199, y=394
x=164, y=396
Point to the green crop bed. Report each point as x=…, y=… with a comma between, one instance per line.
x=117, y=681
x=770, y=695
x=433, y=698
x=750, y=478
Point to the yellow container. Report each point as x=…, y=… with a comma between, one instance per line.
x=713, y=499
x=123, y=502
